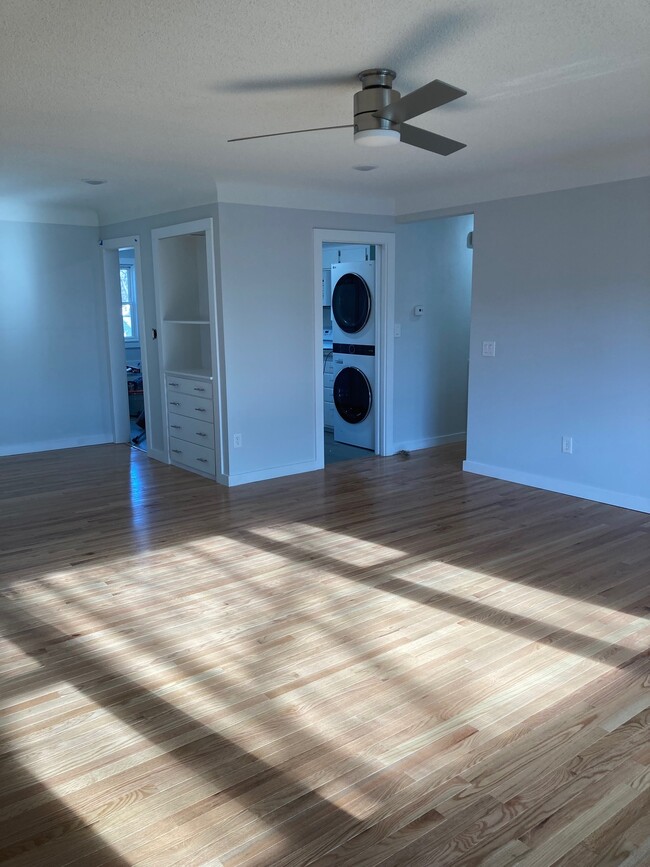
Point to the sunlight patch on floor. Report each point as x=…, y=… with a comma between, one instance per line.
x=316, y=540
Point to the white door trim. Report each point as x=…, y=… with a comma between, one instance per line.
x=116, y=350
x=384, y=243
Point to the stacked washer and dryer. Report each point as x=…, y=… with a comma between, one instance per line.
x=353, y=343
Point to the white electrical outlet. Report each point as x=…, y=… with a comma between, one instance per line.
x=489, y=348
x=567, y=445
x=236, y=440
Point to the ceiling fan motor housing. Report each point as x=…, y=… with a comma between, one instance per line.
x=377, y=93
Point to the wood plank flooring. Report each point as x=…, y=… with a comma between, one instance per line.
x=388, y=662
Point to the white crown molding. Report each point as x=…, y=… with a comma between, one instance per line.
x=460, y=196
x=304, y=199
x=16, y=212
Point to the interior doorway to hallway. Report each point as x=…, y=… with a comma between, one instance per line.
x=126, y=332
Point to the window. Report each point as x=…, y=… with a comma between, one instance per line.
x=129, y=311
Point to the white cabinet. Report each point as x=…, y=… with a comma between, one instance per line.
x=190, y=420
x=184, y=275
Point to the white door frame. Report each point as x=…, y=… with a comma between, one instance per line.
x=384, y=243
x=116, y=349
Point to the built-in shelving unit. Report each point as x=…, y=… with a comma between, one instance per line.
x=184, y=272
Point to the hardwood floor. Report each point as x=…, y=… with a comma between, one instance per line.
x=389, y=662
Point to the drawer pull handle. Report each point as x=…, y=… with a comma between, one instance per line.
x=177, y=451
x=198, y=388
x=175, y=426
x=174, y=403
x=202, y=460
x=174, y=384
x=200, y=409
x=201, y=434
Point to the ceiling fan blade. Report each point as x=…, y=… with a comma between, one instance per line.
x=432, y=95
x=429, y=141
x=292, y=132
x=288, y=82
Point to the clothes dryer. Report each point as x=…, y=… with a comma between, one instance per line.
x=353, y=394
x=353, y=303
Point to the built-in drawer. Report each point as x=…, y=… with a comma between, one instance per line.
x=195, y=387
x=190, y=455
x=328, y=380
x=192, y=430
x=328, y=395
x=194, y=407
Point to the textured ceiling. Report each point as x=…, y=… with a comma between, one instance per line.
x=145, y=93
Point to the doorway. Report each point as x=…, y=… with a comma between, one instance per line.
x=132, y=348
x=349, y=340
x=126, y=330
x=432, y=321
x=354, y=359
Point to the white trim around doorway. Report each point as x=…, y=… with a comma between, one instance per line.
x=384, y=243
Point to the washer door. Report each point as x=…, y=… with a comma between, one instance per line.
x=351, y=303
x=352, y=395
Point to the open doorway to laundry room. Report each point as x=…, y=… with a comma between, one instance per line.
x=355, y=278
x=349, y=381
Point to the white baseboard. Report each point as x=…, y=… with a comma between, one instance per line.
x=428, y=442
x=560, y=486
x=271, y=473
x=55, y=445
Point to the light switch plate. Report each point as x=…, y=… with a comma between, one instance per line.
x=398, y=330
x=489, y=348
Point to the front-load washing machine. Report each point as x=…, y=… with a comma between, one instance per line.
x=353, y=303
x=353, y=394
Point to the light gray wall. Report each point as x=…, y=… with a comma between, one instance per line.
x=53, y=347
x=267, y=274
x=562, y=283
x=433, y=269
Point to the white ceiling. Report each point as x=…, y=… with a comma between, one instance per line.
x=145, y=93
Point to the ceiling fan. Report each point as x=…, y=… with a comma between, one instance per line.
x=380, y=114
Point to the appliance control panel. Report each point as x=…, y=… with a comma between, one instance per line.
x=354, y=349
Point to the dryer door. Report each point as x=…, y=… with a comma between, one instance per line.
x=351, y=303
x=352, y=395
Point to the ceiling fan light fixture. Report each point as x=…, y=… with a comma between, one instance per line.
x=380, y=114
x=376, y=138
